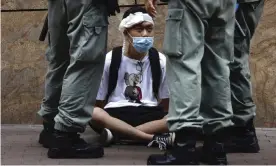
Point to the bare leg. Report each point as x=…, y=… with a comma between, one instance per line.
x=102, y=118
x=153, y=127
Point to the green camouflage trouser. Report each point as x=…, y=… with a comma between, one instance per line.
x=247, y=16
x=76, y=55
x=199, y=47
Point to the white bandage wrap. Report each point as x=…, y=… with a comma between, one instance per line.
x=134, y=19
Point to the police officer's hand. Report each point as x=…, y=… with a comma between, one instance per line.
x=112, y=7
x=151, y=7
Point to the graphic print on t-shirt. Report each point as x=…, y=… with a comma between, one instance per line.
x=133, y=92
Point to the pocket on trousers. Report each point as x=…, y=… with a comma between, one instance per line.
x=94, y=23
x=172, y=46
x=95, y=26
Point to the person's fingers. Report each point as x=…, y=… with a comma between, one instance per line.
x=154, y=3
x=150, y=7
x=152, y=12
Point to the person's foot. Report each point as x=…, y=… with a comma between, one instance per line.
x=70, y=145
x=213, y=152
x=106, y=137
x=46, y=134
x=164, y=141
x=243, y=140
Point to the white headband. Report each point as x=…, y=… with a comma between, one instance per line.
x=134, y=19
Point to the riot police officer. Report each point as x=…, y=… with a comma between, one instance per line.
x=77, y=35
x=199, y=48
x=243, y=137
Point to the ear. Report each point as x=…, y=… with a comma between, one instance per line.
x=126, y=35
x=125, y=32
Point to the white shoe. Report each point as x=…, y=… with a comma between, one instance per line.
x=106, y=137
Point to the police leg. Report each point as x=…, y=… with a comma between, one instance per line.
x=216, y=95
x=58, y=60
x=87, y=32
x=184, y=48
x=244, y=137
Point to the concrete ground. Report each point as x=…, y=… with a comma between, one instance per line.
x=19, y=146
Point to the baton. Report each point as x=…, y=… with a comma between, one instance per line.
x=44, y=30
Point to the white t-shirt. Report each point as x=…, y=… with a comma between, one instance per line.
x=134, y=86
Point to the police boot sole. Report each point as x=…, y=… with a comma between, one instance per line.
x=153, y=160
x=214, y=163
x=212, y=160
x=43, y=141
x=151, y=163
x=45, y=145
x=69, y=153
x=179, y=163
x=243, y=149
x=208, y=161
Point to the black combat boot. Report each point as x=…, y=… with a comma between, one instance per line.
x=243, y=140
x=46, y=134
x=213, y=152
x=182, y=153
x=70, y=145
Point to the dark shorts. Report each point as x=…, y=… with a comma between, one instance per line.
x=136, y=116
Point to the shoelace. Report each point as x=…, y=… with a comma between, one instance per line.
x=162, y=145
x=162, y=142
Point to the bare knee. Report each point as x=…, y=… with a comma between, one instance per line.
x=99, y=115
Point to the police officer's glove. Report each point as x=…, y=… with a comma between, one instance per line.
x=112, y=7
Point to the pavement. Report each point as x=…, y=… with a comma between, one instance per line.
x=19, y=146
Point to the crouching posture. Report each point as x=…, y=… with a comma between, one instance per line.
x=133, y=96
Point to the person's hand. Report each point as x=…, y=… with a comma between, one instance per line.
x=151, y=7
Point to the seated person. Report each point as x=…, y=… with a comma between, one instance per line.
x=133, y=96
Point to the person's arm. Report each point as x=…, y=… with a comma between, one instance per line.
x=102, y=92
x=163, y=89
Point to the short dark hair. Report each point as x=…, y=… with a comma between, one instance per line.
x=134, y=10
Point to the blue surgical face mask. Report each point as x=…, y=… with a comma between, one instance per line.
x=142, y=44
